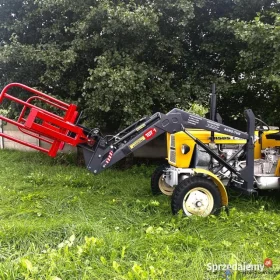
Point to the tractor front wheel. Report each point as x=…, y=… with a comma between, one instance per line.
x=196, y=196
x=158, y=185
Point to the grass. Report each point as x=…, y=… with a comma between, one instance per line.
x=58, y=221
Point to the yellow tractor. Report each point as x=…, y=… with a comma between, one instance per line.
x=198, y=182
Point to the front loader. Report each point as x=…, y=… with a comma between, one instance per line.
x=205, y=157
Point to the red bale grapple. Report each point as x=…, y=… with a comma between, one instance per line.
x=56, y=129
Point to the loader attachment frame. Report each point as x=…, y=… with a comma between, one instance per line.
x=54, y=129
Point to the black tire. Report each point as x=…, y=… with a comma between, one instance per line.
x=202, y=186
x=158, y=186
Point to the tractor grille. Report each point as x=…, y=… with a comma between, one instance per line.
x=172, y=151
x=172, y=156
x=172, y=141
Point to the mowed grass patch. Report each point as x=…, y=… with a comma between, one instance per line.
x=58, y=221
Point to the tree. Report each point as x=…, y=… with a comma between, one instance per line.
x=258, y=68
x=120, y=60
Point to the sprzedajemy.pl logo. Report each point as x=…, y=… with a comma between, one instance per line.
x=242, y=267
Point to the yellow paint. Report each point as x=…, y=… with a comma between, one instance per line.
x=184, y=161
x=218, y=183
x=137, y=142
x=264, y=143
x=140, y=127
x=269, y=143
x=181, y=159
x=277, y=170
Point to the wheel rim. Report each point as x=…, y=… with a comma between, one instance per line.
x=198, y=201
x=164, y=187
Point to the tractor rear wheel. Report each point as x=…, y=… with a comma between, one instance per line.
x=196, y=196
x=158, y=185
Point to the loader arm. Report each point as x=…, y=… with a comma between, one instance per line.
x=107, y=153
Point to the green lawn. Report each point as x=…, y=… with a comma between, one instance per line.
x=59, y=221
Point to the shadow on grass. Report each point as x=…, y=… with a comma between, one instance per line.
x=265, y=200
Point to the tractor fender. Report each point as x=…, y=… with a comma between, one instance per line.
x=217, y=181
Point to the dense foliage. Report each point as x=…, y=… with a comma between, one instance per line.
x=120, y=60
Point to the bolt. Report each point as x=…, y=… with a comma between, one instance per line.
x=95, y=171
x=99, y=156
x=104, y=166
x=198, y=204
x=89, y=167
x=111, y=146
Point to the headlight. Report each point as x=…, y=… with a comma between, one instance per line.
x=185, y=149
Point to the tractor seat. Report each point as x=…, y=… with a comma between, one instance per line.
x=274, y=136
